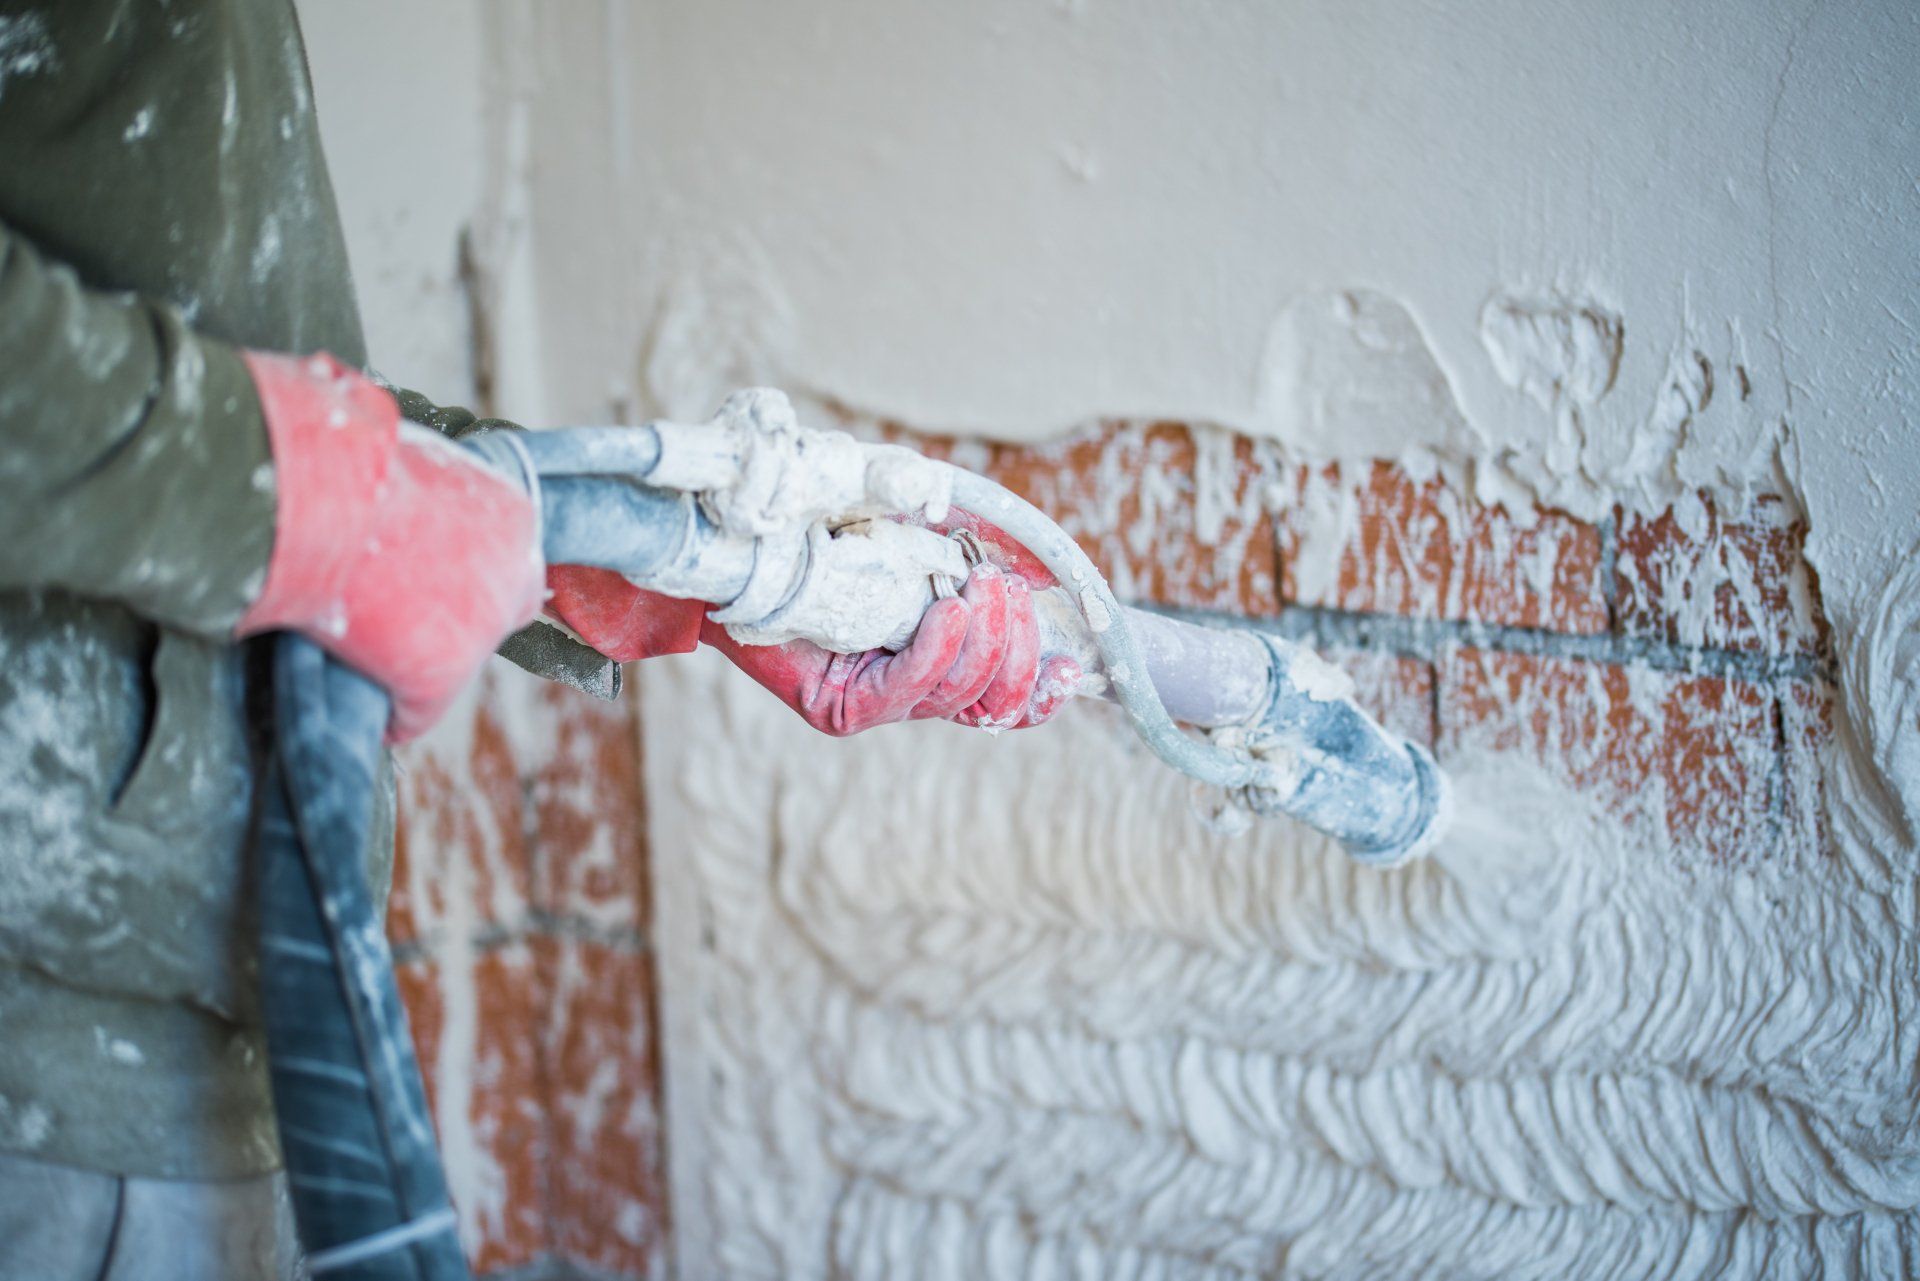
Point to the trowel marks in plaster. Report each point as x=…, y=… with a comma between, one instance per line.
x=1044, y=1023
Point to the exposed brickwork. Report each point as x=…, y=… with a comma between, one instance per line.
x=521, y=914
x=1806, y=720
x=1161, y=525
x=1692, y=757
x=461, y=822
x=1669, y=663
x=608, y=1194
x=1385, y=542
x=589, y=867
x=1690, y=577
x=498, y=1162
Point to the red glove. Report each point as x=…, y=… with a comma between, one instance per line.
x=394, y=549
x=620, y=620
x=1059, y=676
x=974, y=659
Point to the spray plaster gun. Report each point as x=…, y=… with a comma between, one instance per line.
x=787, y=528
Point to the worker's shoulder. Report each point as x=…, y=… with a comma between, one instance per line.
x=172, y=151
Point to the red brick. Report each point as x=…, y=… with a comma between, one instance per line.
x=589, y=816
x=608, y=1174
x=1690, y=577
x=460, y=831
x=1389, y=543
x=1161, y=525
x=1690, y=760
x=1396, y=691
x=496, y=1148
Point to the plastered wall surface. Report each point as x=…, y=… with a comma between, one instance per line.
x=1027, y=1018
x=406, y=132
x=1604, y=250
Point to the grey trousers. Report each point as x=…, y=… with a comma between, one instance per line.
x=58, y=1223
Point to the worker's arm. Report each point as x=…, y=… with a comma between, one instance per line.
x=134, y=465
x=227, y=492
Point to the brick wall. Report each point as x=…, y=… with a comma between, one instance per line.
x=519, y=918
x=1673, y=664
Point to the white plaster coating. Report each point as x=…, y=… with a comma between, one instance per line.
x=1316, y=677
x=998, y=1028
x=787, y=477
x=865, y=587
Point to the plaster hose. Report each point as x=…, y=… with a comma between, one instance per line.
x=364, y=1175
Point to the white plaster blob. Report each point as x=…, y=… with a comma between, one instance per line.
x=25, y=49
x=865, y=586
x=945, y=1006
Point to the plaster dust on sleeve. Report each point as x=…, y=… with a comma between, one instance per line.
x=963, y=1007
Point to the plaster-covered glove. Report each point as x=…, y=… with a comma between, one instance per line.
x=1023, y=688
x=394, y=549
x=974, y=659
x=1058, y=676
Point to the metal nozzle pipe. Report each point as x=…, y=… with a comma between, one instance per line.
x=1330, y=764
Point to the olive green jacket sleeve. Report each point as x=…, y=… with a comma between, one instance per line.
x=134, y=464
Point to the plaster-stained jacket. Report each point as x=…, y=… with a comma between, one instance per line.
x=163, y=200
